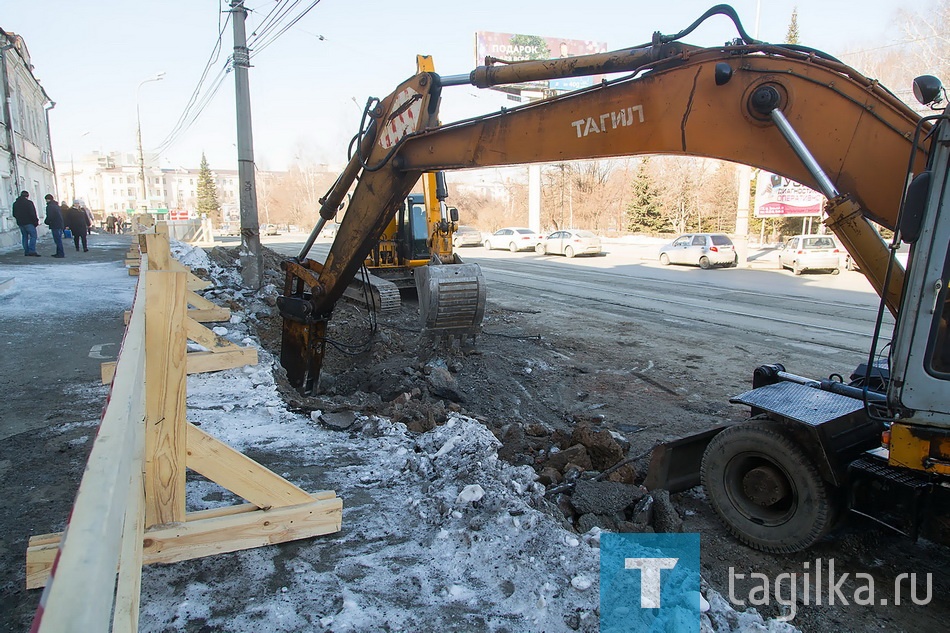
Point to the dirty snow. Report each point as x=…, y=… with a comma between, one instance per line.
x=438, y=533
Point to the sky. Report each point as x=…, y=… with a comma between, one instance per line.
x=308, y=85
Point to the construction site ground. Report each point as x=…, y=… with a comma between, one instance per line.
x=535, y=375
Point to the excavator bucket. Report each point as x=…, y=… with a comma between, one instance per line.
x=451, y=297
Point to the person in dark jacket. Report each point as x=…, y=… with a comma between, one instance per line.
x=78, y=223
x=26, y=219
x=54, y=220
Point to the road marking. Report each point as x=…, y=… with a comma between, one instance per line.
x=96, y=351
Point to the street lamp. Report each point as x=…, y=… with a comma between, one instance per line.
x=138, y=121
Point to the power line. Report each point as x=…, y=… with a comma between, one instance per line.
x=879, y=48
x=270, y=39
x=188, y=117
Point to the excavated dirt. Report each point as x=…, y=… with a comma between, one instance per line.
x=574, y=403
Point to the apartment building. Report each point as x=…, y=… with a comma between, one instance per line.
x=111, y=184
x=26, y=158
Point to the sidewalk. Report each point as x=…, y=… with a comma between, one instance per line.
x=59, y=319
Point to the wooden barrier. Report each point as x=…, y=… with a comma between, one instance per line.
x=130, y=509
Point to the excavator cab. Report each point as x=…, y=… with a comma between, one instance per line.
x=412, y=237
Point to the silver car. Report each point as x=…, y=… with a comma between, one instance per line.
x=466, y=236
x=569, y=243
x=514, y=238
x=810, y=252
x=700, y=249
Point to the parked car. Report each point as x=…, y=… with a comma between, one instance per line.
x=466, y=236
x=514, y=238
x=700, y=249
x=269, y=229
x=810, y=252
x=569, y=243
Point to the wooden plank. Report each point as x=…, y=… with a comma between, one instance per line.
x=203, y=336
x=214, y=315
x=42, y=549
x=39, y=560
x=196, y=300
x=125, y=618
x=159, y=252
x=107, y=370
x=133, y=272
x=126, y=316
x=239, y=473
x=165, y=381
x=195, y=539
x=200, y=362
x=88, y=555
x=197, y=283
x=203, y=362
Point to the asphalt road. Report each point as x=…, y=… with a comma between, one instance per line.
x=815, y=311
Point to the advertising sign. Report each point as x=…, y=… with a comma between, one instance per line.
x=777, y=196
x=515, y=47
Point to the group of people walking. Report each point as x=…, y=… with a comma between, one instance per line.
x=59, y=218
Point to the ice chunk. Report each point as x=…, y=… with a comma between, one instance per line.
x=581, y=583
x=470, y=494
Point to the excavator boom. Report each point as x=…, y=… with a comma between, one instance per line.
x=676, y=99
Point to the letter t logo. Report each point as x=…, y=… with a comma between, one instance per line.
x=649, y=578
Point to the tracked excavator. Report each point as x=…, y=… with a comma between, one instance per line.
x=419, y=235
x=877, y=444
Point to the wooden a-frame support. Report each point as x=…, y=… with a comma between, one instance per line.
x=277, y=512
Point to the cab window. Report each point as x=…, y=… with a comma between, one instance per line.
x=939, y=344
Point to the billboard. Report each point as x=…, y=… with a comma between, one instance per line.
x=514, y=47
x=777, y=196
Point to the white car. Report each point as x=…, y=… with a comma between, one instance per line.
x=466, y=236
x=700, y=249
x=810, y=252
x=514, y=238
x=569, y=243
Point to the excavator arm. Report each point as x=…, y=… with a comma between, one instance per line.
x=676, y=99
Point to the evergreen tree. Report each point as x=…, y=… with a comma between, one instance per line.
x=643, y=212
x=208, y=192
x=791, y=37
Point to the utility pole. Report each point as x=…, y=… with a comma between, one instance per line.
x=251, y=258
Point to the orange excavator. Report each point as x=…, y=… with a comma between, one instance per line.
x=811, y=450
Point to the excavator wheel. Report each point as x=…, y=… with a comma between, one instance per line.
x=766, y=490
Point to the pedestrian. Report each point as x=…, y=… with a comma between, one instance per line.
x=78, y=223
x=110, y=223
x=54, y=220
x=25, y=213
x=90, y=218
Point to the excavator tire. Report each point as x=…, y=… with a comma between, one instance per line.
x=766, y=490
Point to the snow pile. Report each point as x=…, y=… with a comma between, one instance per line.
x=44, y=291
x=438, y=533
